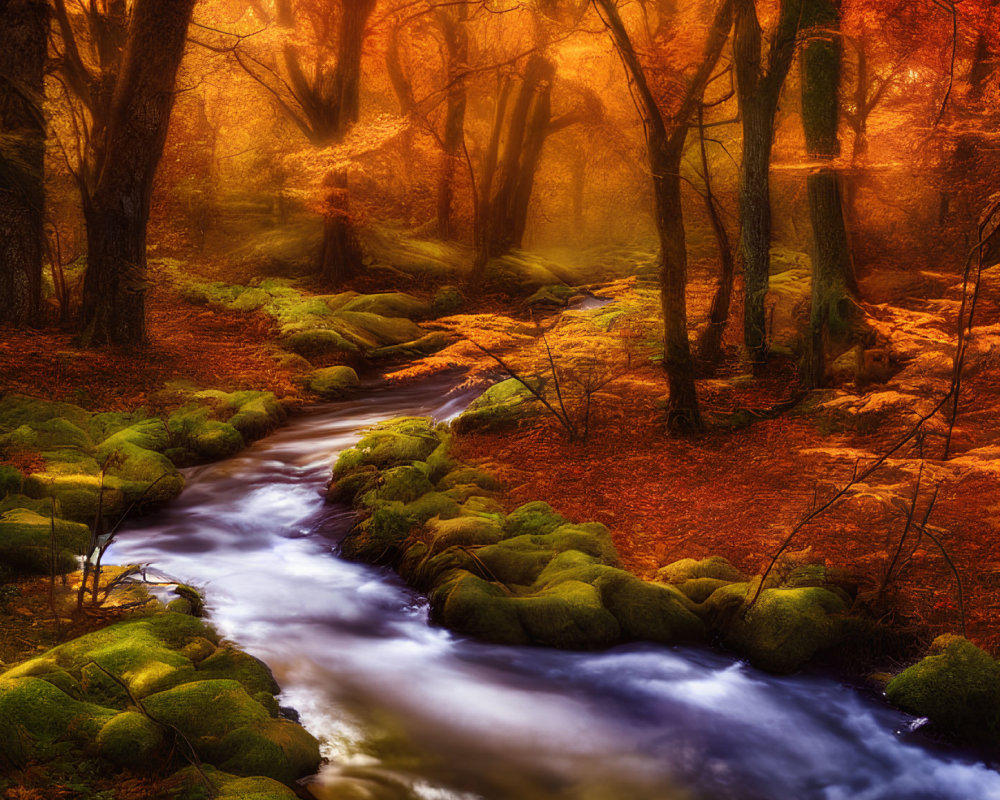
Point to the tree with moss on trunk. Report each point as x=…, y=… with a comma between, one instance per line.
x=24, y=26
x=758, y=89
x=834, y=308
x=665, y=137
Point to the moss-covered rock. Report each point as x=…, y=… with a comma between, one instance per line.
x=149, y=434
x=130, y=739
x=275, y=748
x=229, y=787
x=27, y=539
x=193, y=427
x=784, y=629
x=371, y=331
x=502, y=405
x=687, y=569
x=19, y=409
x=462, y=532
x=533, y=518
x=431, y=504
x=319, y=342
x=957, y=687
x=36, y=717
x=142, y=475
x=568, y=614
x=447, y=300
x=392, y=443
x=257, y=415
x=332, y=383
x=389, y=304
x=472, y=606
x=515, y=562
x=378, y=539
x=466, y=475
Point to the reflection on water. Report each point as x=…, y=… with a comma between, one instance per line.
x=407, y=710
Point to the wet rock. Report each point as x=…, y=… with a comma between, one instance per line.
x=332, y=383
x=957, y=687
x=319, y=342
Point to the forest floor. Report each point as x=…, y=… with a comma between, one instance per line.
x=734, y=490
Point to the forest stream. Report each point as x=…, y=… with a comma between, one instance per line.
x=410, y=710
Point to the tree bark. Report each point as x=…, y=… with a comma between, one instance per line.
x=341, y=256
x=116, y=207
x=833, y=302
x=758, y=92
x=24, y=28
x=456, y=39
x=666, y=148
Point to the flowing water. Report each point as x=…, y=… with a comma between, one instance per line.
x=411, y=711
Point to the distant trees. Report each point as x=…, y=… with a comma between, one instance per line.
x=317, y=87
x=24, y=26
x=123, y=92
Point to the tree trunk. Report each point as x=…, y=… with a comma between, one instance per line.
x=758, y=92
x=117, y=208
x=452, y=24
x=23, y=42
x=341, y=256
x=832, y=312
x=347, y=75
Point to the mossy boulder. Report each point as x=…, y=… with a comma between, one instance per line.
x=378, y=539
x=391, y=443
x=389, y=304
x=257, y=415
x=515, y=562
x=462, y=532
x=502, y=405
x=332, y=383
x=230, y=787
x=431, y=504
x=424, y=346
x=714, y=567
x=192, y=426
x=465, y=475
x=371, y=331
x=11, y=480
x=142, y=475
x=149, y=434
x=27, y=537
x=532, y=518
x=47, y=435
x=785, y=627
x=957, y=687
x=472, y=606
x=447, y=300
x=19, y=409
x=319, y=342
x=130, y=739
x=275, y=748
x=36, y=717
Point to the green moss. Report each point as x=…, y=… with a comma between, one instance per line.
x=462, y=532
x=440, y=461
x=470, y=605
x=532, y=518
x=319, y=342
x=150, y=434
x=500, y=406
x=347, y=488
x=18, y=409
x=515, y=562
x=332, y=383
x=130, y=739
x=478, y=505
x=400, y=441
x=784, y=629
x=378, y=539
x=405, y=483
x=568, y=615
x=35, y=716
x=375, y=330
x=192, y=426
x=431, y=504
x=700, y=589
x=231, y=787
x=48, y=435
x=257, y=415
x=11, y=480
x=465, y=475
x=230, y=662
x=26, y=541
x=185, y=707
x=957, y=687
x=687, y=569
x=274, y=748
x=389, y=304
x=142, y=475
x=649, y=612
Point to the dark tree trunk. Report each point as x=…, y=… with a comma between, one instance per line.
x=758, y=92
x=666, y=148
x=833, y=305
x=341, y=256
x=117, y=205
x=456, y=39
x=23, y=42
